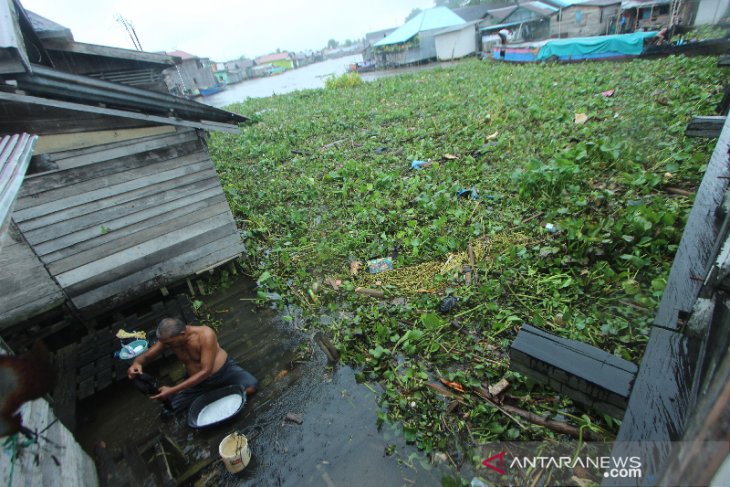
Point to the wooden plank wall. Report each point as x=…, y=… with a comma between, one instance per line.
x=27, y=288
x=117, y=220
x=593, y=21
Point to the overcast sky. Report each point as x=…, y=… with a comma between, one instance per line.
x=225, y=29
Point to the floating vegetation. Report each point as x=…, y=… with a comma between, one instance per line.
x=572, y=227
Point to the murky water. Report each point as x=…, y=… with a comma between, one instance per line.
x=334, y=440
x=308, y=77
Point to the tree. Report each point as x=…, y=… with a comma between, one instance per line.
x=449, y=3
x=332, y=44
x=348, y=43
x=413, y=13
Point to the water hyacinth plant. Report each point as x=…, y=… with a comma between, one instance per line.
x=573, y=223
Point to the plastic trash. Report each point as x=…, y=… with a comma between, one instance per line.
x=477, y=482
x=447, y=304
x=470, y=193
x=418, y=165
x=132, y=350
x=551, y=228
x=383, y=264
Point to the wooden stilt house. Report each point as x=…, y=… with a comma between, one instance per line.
x=121, y=197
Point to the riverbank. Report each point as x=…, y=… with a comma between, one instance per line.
x=567, y=213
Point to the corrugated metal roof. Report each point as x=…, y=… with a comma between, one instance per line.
x=501, y=26
x=56, y=85
x=540, y=7
x=15, y=153
x=182, y=55
x=563, y=3
x=644, y=4
x=457, y=28
x=48, y=29
x=469, y=14
x=277, y=56
x=598, y=3
x=502, y=13
x=373, y=37
x=109, y=52
x=433, y=18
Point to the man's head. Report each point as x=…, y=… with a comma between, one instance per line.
x=170, y=330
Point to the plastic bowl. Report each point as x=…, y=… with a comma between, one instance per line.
x=212, y=396
x=133, y=349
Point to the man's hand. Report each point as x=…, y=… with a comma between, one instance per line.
x=165, y=393
x=134, y=370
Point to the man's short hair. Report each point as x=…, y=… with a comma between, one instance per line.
x=170, y=327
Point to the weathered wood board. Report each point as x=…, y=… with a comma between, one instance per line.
x=27, y=287
x=116, y=220
x=692, y=260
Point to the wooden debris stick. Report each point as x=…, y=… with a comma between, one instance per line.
x=472, y=263
x=557, y=426
x=332, y=144
x=333, y=355
x=375, y=293
x=532, y=217
x=677, y=191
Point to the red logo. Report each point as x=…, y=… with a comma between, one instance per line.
x=500, y=460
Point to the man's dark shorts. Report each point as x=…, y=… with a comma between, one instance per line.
x=230, y=374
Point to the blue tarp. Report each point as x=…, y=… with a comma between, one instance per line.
x=593, y=47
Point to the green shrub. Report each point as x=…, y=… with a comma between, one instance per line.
x=347, y=80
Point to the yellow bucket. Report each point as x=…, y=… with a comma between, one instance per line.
x=235, y=452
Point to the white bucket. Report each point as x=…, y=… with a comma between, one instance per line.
x=235, y=452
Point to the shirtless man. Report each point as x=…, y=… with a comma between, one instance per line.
x=207, y=365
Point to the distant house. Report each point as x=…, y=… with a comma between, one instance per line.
x=190, y=76
x=458, y=41
x=528, y=21
x=368, y=53
x=470, y=14
x=586, y=18
x=497, y=15
x=239, y=69
x=277, y=60
x=650, y=15
x=414, y=41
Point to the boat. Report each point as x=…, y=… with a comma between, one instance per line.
x=611, y=47
x=707, y=47
x=211, y=90
x=363, y=67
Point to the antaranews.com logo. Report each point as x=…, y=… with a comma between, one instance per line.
x=559, y=463
x=612, y=467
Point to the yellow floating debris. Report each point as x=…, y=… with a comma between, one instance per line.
x=434, y=275
x=124, y=334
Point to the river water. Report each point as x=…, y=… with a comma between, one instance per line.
x=308, y=77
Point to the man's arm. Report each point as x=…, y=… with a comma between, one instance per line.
x=136, y=367
x=208, y=349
